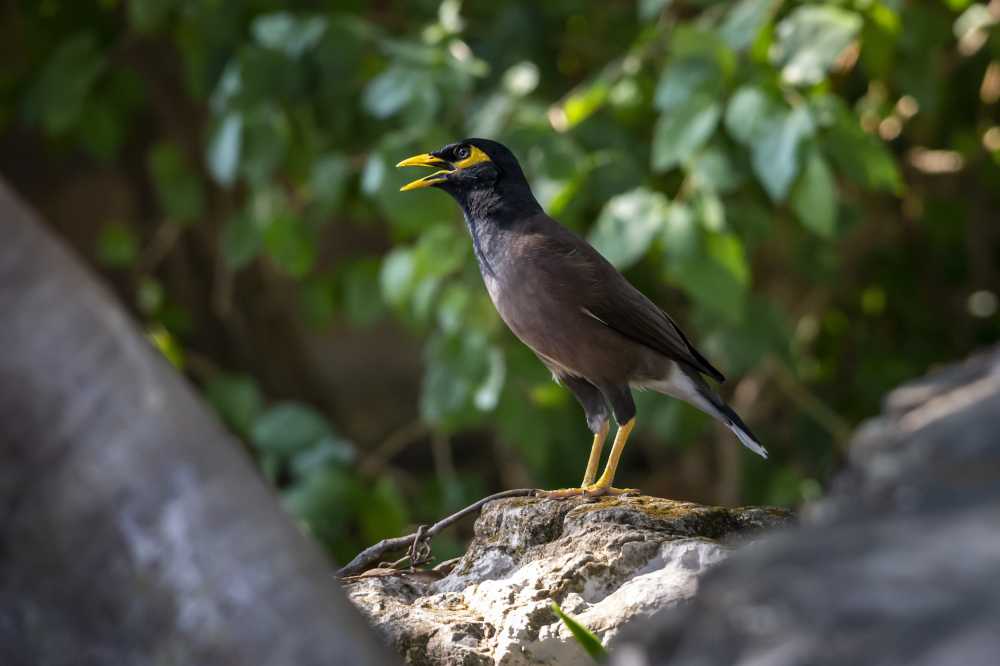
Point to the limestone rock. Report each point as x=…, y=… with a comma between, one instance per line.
x=605, y=562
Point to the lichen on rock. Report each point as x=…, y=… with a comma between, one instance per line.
x=605, y=562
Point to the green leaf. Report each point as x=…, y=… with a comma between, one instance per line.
x=814, y=197
x=589, y=641
x=686, y=78
x=57, y=97
x=266, y=140
x=178, y=187
x=396, y=276
x=288, y=427
x=748, y=112
x=680, y=233
x=236, y=398
x=860, y=156
x=409, y=212
x=810, y=39
x=584, y=101
x=290, y=34
x=241, y=240
x=117, y=246
x=488, y=393
x=717, y=279
x=715, y=169
x=362, y=301
x=146, y=16
x=330, y=451
x=775, y=153
x=291, y=244
x=727, y=251
x=326, y=501
x=744, y=21
x=461, y=370
x=383, y=514
x=395, y=89
x=650, y=9
x=679, y=134
x=224, y=149
x=328, y=180
x=627, y=225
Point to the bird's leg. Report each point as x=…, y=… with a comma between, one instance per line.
x=595, y=455
x=603, y=485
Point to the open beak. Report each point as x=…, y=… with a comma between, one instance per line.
x=427, y=160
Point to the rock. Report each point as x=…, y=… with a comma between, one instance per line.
x=605, y=562
x=898, y=566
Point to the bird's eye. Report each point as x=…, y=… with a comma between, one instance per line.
x=462, y=152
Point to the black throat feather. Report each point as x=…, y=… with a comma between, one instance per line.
x=495, y=211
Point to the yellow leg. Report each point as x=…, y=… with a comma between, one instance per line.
x=595, y=455
x=603, y=485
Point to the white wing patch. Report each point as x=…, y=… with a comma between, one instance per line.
x=593, y=316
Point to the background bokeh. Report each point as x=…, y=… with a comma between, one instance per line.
x=811, y=188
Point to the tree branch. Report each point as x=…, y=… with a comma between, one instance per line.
x=373, y=554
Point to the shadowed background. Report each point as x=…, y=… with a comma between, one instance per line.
x=812, y=188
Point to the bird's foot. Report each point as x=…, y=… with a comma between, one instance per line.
x=592, y=490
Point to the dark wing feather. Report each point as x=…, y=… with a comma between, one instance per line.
x=625, y=309
x=610, y=298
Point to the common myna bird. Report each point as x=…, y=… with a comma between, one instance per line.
x=599, y=335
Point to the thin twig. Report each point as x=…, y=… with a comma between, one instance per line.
x=374, y=554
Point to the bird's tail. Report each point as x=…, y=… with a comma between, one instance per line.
x=733, y=421
x=687, y=384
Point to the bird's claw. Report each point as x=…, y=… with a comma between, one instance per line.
x=593, y=490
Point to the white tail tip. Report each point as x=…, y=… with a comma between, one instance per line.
x=748, y=441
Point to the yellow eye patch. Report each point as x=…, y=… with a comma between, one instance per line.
x=475, y=157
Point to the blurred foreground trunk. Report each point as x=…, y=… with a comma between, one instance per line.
x=133, y=530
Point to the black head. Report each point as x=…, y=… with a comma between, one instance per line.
x=471, y=169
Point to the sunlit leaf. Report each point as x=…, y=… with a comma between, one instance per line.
x=748, y=112
x=488, y=393
x=288, y=427
x=628, y=224
x=224, y=149
x=686, y=78
x=810, y=39
x=775, y=154
x=680, y=232
x=650, y=9
x=680, y=133
x=395, y=89
x=745, y=20
x=283, y=31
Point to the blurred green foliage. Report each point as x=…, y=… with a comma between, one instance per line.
x=800, y=180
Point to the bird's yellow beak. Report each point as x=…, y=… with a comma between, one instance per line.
x=427, y=160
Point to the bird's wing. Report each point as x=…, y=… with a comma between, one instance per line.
x=625, y=309
x=609, y=298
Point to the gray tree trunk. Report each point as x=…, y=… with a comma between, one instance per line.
x=133, y=529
